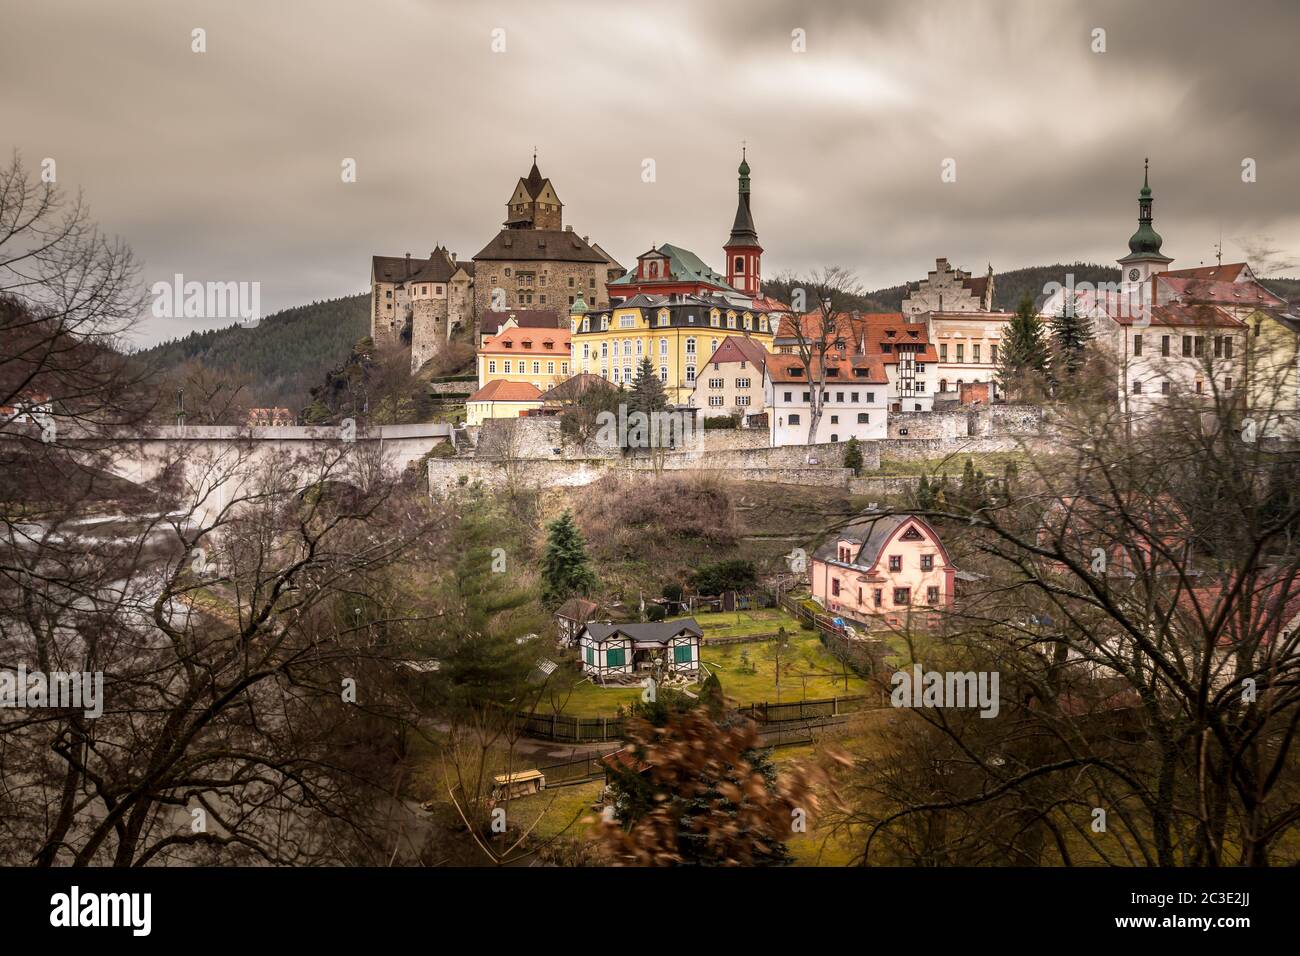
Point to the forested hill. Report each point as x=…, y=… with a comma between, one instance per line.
x=1008, y=287
x=284, y=356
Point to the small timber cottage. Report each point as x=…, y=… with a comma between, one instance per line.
x=883, y=567
x=616, y=650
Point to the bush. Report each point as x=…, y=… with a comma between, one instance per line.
x=655, y=612
x=673, y=592
x=722, y=421
x=733, y=575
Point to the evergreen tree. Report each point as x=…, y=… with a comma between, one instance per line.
x=565, y=571
x=1024, y=353
x=853, y=456
x=647, y=390
x=924, y=495
x=1070, y=333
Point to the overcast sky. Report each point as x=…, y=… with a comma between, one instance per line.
x=225, y=165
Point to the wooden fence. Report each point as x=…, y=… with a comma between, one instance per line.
x=581, y=730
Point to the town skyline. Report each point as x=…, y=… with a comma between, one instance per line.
x=238, y=178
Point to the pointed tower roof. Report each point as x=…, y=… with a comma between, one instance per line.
x=743, y=232
x=535, y=179
x=1146, y=242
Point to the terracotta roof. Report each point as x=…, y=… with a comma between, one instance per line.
x=577, y=609
x=501, y=390
x=1218, y=292
x=1178, y=315
x=490, y=322
x=739, y=348
x=530, y=342
x=1228, y=272
x=876, y=329
x=539, y=245
x=853, y=367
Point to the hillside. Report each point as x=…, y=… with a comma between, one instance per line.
x=285, y=355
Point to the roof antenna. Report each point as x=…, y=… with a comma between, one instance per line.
x=1219, y=247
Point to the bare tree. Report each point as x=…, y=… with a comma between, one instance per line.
x=818, y=331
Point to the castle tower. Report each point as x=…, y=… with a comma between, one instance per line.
x=1144, y=258
x=534, y=203
x=744, y=254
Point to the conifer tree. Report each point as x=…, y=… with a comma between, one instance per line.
x=853, y=456
x=1024, y=353
x=565, y=568
x=647, y=390
x=1070, y=334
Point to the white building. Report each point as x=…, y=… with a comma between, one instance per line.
x=855, y=399
x=967, y=345
x=946, y=289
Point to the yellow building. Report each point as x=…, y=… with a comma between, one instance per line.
x=677, y=333
x=501, y=399
x=1273, y=371
x=537, y=356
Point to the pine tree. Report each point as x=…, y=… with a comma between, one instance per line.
x=853, y=456
x=1024, y=354
x=647, y=390
x=565, y=571
x=1070, y=334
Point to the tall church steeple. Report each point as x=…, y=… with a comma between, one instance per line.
x=744, y=254
x=1144, y=257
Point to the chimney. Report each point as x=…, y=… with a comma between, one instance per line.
x=408, y=265
x=568, y=229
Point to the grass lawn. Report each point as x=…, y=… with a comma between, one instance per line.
x=808, y=670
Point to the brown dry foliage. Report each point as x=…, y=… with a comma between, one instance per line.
x=636, y=517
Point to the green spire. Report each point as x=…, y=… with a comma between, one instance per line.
x=1146, y=241
x=579, y=306
x=744, y=171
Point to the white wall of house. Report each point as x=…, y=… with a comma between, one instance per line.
x=850, y=410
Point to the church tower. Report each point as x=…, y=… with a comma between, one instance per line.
x=534, y=204
x=744, y=254
x=1144, y=258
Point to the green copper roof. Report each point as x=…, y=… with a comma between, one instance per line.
x=1146, y=241
x=578, y=304
x=683, y=266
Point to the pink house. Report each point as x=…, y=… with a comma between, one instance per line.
x=883, y=567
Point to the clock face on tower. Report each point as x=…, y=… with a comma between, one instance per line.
x=1133, y=275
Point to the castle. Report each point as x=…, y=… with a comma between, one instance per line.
x=534, y=263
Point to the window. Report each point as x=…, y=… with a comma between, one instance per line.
x=715, y=383
x=627, y=321
x=615, y=657
x=591, y=655
x=834, y=437
x=537, y=368
x=1187, y=346
x=975, y=353
x=663, y=373
x=1227, y=382
x=492, y=367
x=740, y=264
x=1165, y=388
x=877, y=597
x=550, y=368
x=1164, y=346
x=871, y=398
x=794, y=419
x=586, y=350
x=789, y=396
x=835, y=587
x=993, y=354
x=690, y=347
x=663, y=346
x=902, y=595
x=835, y=420
x=927, y=562
x=1137, y=344
x=961, y=350
x=742, y=401
x=690, y=375
x=864, y=418
x=1227, y=346
x=853, y=397
x=506, y=367
x=742, y=383
x=715, y=401
x=895, y=562
x=932, y=595
x=586, y=322
x=1137, y=388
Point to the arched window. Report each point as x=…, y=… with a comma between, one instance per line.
x=740, y=263
x=943, y=385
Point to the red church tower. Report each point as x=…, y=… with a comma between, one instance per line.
x=744, y=254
